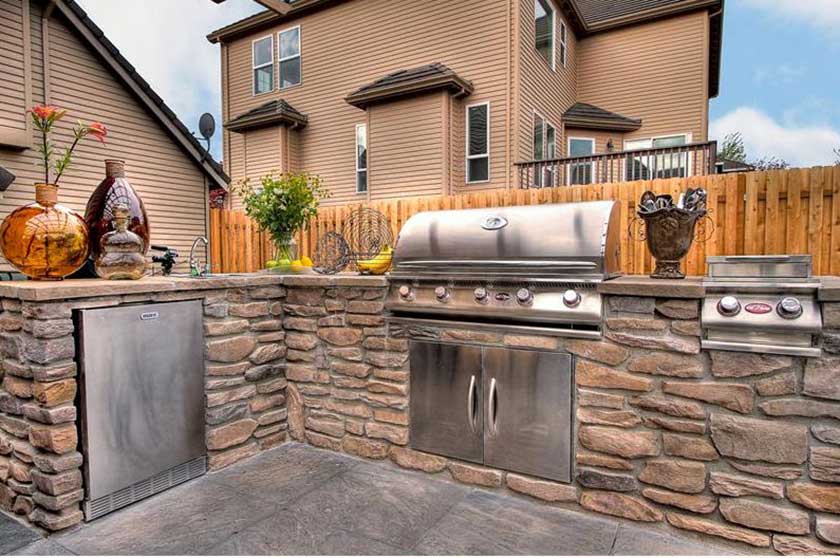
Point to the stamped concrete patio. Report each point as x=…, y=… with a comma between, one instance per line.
x=301, y=500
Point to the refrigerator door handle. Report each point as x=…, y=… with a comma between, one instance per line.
x=471, y=418
x=492, y=411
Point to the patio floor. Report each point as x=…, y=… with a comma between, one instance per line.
x=300, y=500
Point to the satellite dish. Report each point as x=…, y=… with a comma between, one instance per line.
x=207, y=126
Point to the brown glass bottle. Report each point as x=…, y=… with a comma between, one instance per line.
x=120, y=251
x=113, y=191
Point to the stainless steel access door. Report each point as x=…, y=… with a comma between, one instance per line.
x=446, y=395
x=142, y=371
x=528, y=408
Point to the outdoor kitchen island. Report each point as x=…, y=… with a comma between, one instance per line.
x=744, y=446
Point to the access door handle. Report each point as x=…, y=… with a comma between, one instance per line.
x=492, y=410
x=471, y=404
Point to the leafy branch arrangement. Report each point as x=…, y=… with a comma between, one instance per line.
x=44, y=118
x=283, y=204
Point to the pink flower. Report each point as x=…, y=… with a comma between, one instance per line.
x=97, y=130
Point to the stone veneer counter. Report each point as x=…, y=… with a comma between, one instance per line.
x=735, y=445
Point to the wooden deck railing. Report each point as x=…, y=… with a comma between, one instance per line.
x=694, y=159
x=778, y=212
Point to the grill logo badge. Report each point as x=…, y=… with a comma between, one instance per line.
x=494, y=223
x=758, y=308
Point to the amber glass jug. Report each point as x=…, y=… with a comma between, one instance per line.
x=113, y=191
x=45, y=240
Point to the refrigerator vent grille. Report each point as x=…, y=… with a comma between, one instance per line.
x=143, y=489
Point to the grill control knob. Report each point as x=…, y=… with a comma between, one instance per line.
x=481, y=294
x=789, y=308
x=729, y=306
x=571, y=298
x=442, y=294
x=406, y=292
x=524, y=296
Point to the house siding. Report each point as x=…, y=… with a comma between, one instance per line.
x=355, y=43
x=657, y=72
x=549, y=92
x=171, y=185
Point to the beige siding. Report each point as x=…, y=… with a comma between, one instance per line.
x=601, y=138
x=354, y=43
x=169, y=182
x=656, y=72
x=543, y=89
x=12, y=98
x=406, y=142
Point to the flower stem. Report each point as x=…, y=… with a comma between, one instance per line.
x=66, y=160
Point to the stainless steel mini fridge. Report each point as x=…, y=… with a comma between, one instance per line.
x=142, y=401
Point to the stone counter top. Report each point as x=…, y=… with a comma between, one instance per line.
x=643, y=285
x=42, y=291
x=830, y=291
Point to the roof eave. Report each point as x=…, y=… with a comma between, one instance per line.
x=267, y=18
x=281, y=118
x=652, y=14
x=454, y=84
x=599, y=124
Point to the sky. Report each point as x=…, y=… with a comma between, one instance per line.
x=780, y=83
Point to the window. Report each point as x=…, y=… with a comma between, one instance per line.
x=263, y=64
x=545, y=148
x=478, y=143
x=563, y=48
x=361, y=159
x=544, y=29
x=290, y=65
x=673, y=164
x=581, y=173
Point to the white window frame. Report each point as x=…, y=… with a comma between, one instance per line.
x=591, y=164
x=467, y=135
x=554, y=12
x=549, y=176
x=564, y=42
x=280, y=58
x=367, y=161
x=649, y=140
x=255, y=67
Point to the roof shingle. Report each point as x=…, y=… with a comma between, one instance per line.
x=583, y=115
x=277, y=111
x=422, y=79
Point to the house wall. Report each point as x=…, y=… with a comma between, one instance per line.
x=171, y=185
x=13, y=68
x=657, y=72
x=354, y=43
x=549, y=92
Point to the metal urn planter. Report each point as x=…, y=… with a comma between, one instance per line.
x=670, y=228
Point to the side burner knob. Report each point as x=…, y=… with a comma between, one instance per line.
x=729, y=306
x=789, y=308
x=571, y=298
x=406, y=292
x=480, y=294
x=524, y=296
x=442, y=294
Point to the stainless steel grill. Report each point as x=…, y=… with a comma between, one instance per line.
x=532, y=266
x=762, y=304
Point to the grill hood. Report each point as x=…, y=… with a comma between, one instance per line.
x=568, y=242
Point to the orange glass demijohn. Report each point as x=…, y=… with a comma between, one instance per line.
x=45, y=240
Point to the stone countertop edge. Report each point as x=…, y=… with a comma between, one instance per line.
x=830, y=290
x=45, y=291
x=642, y=285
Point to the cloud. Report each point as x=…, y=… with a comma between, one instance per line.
x=819, y=13
x=799, y=145
x=165, y=41
x=783, y=74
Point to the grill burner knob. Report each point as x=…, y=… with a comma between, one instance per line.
x=729, y=306
x=406, y=293
x=571, y=298
x=442, y=294
x=480, y=294
x=789, y=308
x=524, y=296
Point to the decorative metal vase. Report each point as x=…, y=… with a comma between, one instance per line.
x=670, y=229
x=45, y=240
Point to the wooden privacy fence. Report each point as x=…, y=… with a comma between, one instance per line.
x=793, y=211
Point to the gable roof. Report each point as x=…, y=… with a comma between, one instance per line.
x=584, y=115
x=423, y=79
x=272, y=112
x=612, y=13
x=141, y=89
